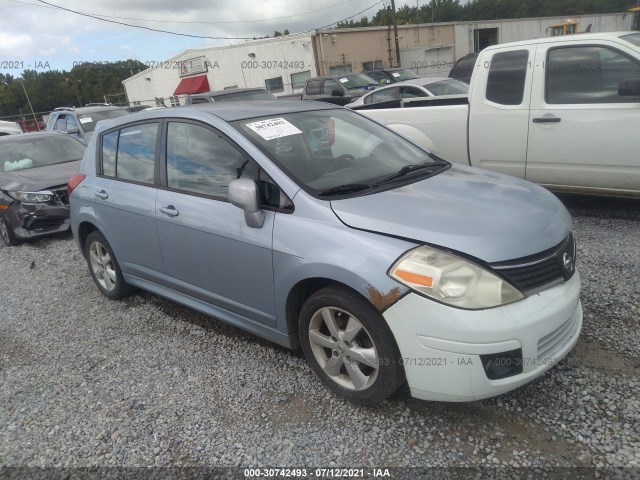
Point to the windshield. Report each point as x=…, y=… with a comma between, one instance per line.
x=633, y=38
x=447, y=87
x=251, y=95
x=356, y=80
x=379, y=77
x=89, y=120
x=402, y=74
x=325, y=149
x=39, y=152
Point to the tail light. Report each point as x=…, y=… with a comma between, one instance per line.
x=75, y=180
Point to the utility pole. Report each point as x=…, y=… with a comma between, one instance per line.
x=395, y=31
x=29, y=101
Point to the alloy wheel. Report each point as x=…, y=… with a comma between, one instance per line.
x=102, y=266
x=343, y=348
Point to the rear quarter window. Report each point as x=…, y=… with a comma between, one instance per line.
x=129, y=153
x=507, y=75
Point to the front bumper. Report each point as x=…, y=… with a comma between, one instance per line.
x=32, y=220
x=443, y=348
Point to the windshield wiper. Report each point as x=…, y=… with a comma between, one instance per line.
x=356, y=187
x=408, y=169
x=345, y=188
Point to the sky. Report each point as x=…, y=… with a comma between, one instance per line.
x=40, y=36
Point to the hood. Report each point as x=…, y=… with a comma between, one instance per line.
x=487, y=215
x=39, y=178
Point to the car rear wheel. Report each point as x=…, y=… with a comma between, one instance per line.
x=349, y=346
x=104, y=267
x=6, y=232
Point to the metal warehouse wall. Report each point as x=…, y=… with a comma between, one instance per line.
x=527, y=28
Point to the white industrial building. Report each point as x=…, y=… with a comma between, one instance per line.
x=283, y=64
x=278, y=64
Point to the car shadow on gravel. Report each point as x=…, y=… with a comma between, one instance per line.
x=42, y=242
x=606, y=207
x=203, y=321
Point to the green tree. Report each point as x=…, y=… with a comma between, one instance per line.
x=89, y=82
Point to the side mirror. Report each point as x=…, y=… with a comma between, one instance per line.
x=336, y=92
x=243, y=193
x=72, y=131
x=629, y=87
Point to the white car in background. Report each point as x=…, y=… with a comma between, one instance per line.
x=415, y=88
x=9, y=128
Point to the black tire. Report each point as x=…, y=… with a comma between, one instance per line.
x=105, y=270
x=6, y=233
x=334, y=362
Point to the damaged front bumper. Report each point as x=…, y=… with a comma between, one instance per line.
x=32, y=220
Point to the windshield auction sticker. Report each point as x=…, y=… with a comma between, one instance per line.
x=273, y=128
x=86, y=120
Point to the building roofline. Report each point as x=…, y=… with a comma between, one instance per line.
x=188, y=51
x=470, y=22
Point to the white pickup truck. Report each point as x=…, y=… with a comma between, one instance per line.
x=563, y=112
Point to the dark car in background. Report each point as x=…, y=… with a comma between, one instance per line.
x=391, y=75
x=81, y=122
x=230, y=95
x=463, y=68
x=34, y=170
x=338, y=89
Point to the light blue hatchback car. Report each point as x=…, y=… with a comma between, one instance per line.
x=314, y=227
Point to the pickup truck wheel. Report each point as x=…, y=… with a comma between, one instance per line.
x=349, y=346
x=104, y=267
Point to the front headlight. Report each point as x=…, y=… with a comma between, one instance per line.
x=33, y=197
x=452, y=280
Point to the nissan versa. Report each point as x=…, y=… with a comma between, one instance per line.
x=313, y=226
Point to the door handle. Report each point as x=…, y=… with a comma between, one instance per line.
x=102, y=194
x=169, y=210
x=546, y=120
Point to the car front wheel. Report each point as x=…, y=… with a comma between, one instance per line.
x=104, y=267
x=349, y=346
x=6, y=232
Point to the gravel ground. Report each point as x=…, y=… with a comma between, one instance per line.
x=145, y=382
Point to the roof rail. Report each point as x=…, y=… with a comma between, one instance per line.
x=60, y=109
x=97, y=105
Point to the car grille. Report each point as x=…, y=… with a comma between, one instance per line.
x=533, y=273
x=62, y=194
x=554, y=341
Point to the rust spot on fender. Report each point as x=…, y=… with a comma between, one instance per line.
x=383, y=300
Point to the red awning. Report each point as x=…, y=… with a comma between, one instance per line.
x=190, y=85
